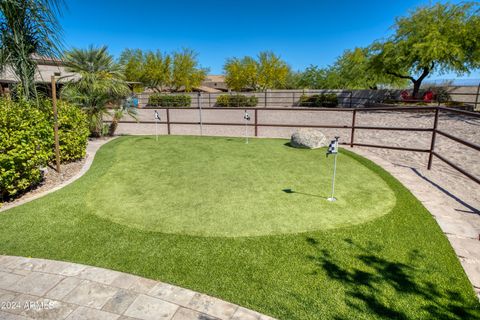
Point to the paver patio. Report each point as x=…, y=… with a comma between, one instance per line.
x=46, y=289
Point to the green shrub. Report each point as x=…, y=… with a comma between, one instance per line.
x=236, y=100
x=329, y=100
x=442, y=95
x=73, y=129
x=26, y=140
x=164, y=100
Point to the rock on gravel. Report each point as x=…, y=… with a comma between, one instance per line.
x=308, y=138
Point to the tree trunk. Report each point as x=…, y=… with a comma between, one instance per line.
x=417, y=83
x=113, y=127
x=416, y=88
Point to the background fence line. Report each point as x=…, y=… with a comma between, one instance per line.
x=469, y=95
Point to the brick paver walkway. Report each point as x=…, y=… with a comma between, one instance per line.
x=47, y=289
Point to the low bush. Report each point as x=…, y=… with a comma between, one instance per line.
x=73, y=129
x=236, y=100
x=329, y=100
x=26, y=140
x=442, y=95
x=164, y=100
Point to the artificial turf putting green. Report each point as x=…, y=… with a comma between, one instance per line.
x=397, y=266
x=223, y=187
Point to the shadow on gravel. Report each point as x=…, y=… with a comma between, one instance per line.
x=448, y=193
x=379, y=288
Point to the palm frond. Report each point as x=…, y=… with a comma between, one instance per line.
x=29, y=29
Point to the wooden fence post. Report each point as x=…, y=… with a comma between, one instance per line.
x=476, y=99
x=55, y=124
x=432, y=144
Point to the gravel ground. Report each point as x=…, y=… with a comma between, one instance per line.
x=459, y=187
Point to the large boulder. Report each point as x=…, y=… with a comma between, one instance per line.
x=308, y=138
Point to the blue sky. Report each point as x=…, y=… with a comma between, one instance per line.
x=302, y=32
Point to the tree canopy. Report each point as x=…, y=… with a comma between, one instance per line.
x=160, y=72
x=354, y=71
x=438, y=38
x=268, y=71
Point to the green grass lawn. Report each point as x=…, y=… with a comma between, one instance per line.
x=210, y=214
x=224, y=187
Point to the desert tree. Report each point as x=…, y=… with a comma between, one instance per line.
x=438, y=38
x=162, y=71
x=267, y=71
x=186, y=70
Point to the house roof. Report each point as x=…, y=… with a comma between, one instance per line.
x=46, y=68
x=215, y=78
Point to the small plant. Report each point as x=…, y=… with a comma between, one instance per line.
x=329, y=100
x=236, y=100
x=442, y=95
x=165, y=100
x=126, y=108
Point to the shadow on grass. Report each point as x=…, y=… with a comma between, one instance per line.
x=378, y=288
x=303, y=193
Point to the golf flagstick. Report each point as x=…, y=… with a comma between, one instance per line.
x=157, y=118
x=333, y=149
x=246, y=116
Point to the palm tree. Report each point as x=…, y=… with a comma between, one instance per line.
x=127, y=108
x=28, y=28
x=101, y=84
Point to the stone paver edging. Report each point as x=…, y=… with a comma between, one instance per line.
x=459, y=226
x=46, y=289
x=92, y=148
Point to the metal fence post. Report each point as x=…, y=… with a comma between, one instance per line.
x=352, y=135
x=256, y=122
x=265, y=98
x=476, y=98
x=351, y=94
x=168, y=120
x=293, y=98
x=200, y=113
x=432, y=144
